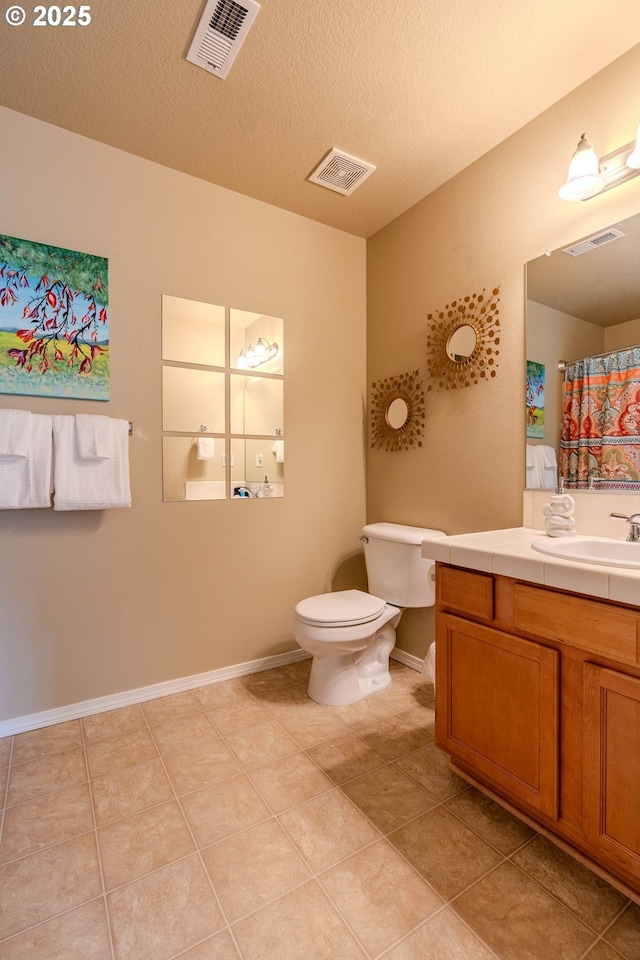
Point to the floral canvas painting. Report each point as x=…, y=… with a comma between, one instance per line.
x=54, y=321
x=535, y=399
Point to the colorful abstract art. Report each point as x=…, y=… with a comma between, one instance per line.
x=535, y=399
x=54, y=321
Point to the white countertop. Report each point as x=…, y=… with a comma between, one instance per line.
x=509, y=553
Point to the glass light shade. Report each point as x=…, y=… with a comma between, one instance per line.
x=633, y=160
x=584, y=179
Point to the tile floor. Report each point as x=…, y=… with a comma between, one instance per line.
x=241, y=820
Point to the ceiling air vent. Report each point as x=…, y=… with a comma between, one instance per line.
x=220, y=34
x=598, y=240
x=341, y=172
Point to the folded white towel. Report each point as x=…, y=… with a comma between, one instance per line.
x=93, y=436
x=15, y=433
x=25, y=481
x=278, y=449
x=90, y=484
x=206, y=448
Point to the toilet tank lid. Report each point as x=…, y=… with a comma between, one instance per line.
x=400, y=532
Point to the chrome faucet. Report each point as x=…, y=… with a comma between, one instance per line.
x=634, y=525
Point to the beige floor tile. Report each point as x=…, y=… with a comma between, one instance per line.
x=130, y=791
x=490, y=820
x=223, y=694
x=602, y=951
x=302, y=925
x=218, y=947
x=254, y=867
x=163, y=913
x=327, y=829
x=379, y=895
x=346, y=757
x=113, y=723
x=313, y=725
x=238, y=716
x=118, y=753
x=58, y=738
x=590, y=898
x=171, y=707
x=46, y=820
x=298, y=671
x=4, y=779
x=289, y=781
x=217, y=811
x=174, y=735
x=401, y=696
x=80, y=934
x=428, y=766
x=137, y=845
x=444, y=851
x=44, y=884
x=393, y=736
x=46, y=775
x=388, y=797
x=365, y=711
x=423, y=716
x=6, y=744
x=442, y=937
x=261, y=744
x=521, y=921
x=266, y=681
x=201, y=765
x=624, y=934
x=280, y=701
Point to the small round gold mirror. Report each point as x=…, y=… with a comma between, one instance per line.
x=397, y=413
x=462, y=343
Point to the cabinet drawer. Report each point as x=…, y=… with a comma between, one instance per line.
x=589, y=625
x=465, y=592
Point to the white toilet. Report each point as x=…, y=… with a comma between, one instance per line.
x=350, y=634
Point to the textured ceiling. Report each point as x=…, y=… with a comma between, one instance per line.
x=419, y=90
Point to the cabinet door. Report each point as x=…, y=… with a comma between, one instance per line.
x=612, y=766
x=498, y=711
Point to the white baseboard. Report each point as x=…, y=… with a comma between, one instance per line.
x=85, y=708
x=407, y=659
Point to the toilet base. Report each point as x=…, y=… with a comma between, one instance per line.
x=340, y=679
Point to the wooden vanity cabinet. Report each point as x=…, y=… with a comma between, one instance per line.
x=538, y=700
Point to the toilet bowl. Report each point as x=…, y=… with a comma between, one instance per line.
x=349, y=633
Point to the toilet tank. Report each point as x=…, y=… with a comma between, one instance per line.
x=396, y=571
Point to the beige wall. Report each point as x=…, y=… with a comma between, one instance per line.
x=477, y=231
x=94, y=603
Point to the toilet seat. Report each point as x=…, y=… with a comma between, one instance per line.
x=345, y=608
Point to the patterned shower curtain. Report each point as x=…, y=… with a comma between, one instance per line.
x=601, y=422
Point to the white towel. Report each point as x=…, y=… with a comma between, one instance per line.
x=93, y=435
x=206, y=448
x=278, y=449
x=15, y=433
x=90, y=484
x=25, y=481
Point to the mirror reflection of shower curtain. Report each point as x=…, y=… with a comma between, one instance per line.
x=600, y=438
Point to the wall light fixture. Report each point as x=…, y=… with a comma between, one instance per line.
x=256, y=355
x=588, y=177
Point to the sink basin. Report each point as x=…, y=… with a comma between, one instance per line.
x=602, y=550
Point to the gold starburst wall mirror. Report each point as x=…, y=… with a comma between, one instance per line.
x=463, y=340
x=397, y=412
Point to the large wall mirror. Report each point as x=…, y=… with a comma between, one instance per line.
x=222, y=402
x=582, y=300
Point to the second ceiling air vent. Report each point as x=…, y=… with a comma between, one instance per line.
x=341, y=172
x=220, y=33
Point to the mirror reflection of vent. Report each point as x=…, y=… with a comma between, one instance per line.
x=598, y=240
x=341, y=172
x=220, y=33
